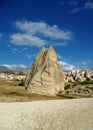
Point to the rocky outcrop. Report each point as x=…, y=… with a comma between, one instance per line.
x=78, y=75
x=79, y=82
x=12, y=70
x=46, y=75
x=11, y=77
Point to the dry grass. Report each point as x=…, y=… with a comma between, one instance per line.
x=10, y=91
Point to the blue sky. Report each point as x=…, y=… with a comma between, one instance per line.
x=27, y=25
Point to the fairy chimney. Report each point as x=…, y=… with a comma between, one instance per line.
x=45, y=76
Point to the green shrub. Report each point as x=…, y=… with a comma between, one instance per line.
x=67, y=86
x=87, y=81
x=13, y=92
x=21, y=83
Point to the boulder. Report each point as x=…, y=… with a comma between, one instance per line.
x=46, y=75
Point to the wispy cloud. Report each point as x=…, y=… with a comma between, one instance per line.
x=74, y=3
x=30, y=56
x=44, y=29
x=78, y=5
x=24, y=49
x=84, y=64
x=15, y=66
x=81, y=5
x=38, y=34
x=26, y=39
x=14, y=50
x=89, y=5
x=75, y=10
x=59, y=56
x=61, y=2
x=1, y=38
x=1, y=34
x=66, y=66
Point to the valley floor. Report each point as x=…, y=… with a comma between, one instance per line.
x=74, y=114
x=11, y=92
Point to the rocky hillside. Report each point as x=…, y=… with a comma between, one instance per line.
x=78, y=76
x=10, y=74
x=11, y=77
x=15, y=71
x=6, y=70
x=79, y=82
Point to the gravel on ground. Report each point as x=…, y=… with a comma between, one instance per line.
x=70, y=114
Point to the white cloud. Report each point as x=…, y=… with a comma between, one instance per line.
x=44, y=29
x=77, y=5
x=89, y=5
x=78, y=65
x=15, y=66
x=39, y=33
x=66, y=66
x=26, y=39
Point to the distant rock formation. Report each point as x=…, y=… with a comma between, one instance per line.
x=11, y=77
x=12, y=70
x=46, y=75
x=78, y=75
x=79, y=82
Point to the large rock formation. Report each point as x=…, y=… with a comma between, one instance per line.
x=46, y=75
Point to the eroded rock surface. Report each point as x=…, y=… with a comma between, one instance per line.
x=46, y=75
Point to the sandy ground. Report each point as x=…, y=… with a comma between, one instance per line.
x=72, y=114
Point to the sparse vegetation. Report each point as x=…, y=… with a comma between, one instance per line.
x=67, y=86
x=21, y=82
x=73, y=84
x=80, y=89
x=87, y=81
x=11, y=91
x=15, y=91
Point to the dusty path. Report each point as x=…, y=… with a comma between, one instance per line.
x=72, y=114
